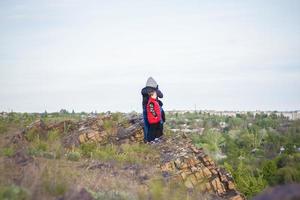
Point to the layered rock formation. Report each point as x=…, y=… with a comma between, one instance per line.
x=180, y=159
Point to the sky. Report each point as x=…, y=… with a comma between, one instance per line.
x=97, y=55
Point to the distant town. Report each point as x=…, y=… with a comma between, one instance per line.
x=291, y=115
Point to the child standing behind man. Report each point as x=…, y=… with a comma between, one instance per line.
x=154, y=116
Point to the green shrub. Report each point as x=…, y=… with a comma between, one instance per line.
x=108, y=152
x=42, y=146
x=269, y=169
x=73, y=156
x=111, y=195
x=37, y=148
x=53, y=135
x=108, y=125
x=88, y=149
x=289, y=174
x=3, y=127
x=248, y=182
x=8, y=151
x=32, y=135
x=13, y=193
x=34, y=152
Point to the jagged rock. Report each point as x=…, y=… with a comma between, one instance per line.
x=188, y=183
x=132, y=129
x=93, y=136
x=230, y=185
x=218, y=186
x=196, y=169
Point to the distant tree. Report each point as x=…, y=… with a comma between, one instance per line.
x=45, y=114
x=290, y=148
x=63, y=111
x=289, y=174
x=246, y=180
x=269, y=170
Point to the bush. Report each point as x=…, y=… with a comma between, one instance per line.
x=32, y=135
x=117, y=117
x=37, y=148
x=3, y=127
x=8, y=151
x=248, y=182
x=111, y=195
x=73, y=156
x=88, y=149
x=42, y=146
x=269, y=169
x=211, y=141
x=289, y=174
x=53, y=135
x=108, y=125
x=108, y=152
x=13, y=193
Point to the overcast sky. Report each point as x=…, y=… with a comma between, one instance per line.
x=97, y=55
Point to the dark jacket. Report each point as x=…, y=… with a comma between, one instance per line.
x=162, y=110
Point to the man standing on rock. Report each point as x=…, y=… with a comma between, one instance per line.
x=151, y=85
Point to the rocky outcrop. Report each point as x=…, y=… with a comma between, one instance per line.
x=91, y=130
x=180, y=159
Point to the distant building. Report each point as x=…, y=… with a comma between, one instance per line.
x=281, y=149
x=3, y=114
x=223, y=124
x=291, y=115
